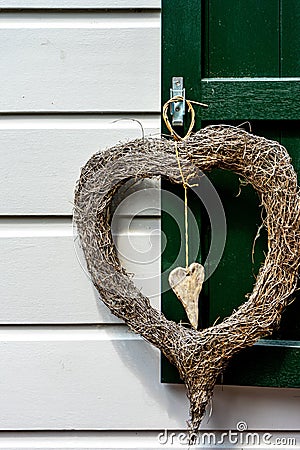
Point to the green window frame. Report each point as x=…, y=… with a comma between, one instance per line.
x=241, y=58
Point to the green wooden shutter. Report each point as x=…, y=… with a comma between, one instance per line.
x=242, y=58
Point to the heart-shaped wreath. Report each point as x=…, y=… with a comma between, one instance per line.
x=200, y=356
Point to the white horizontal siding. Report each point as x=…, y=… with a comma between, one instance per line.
x=82, y=379
x=108, y=379
x=41, y=157
x=43, y=279
x=131, y=440
x=81, y=4
x=79, y=62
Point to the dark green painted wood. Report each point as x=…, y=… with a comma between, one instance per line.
x=263, y=366
x=235, y=275
x=229, y=38
x=251, y=99
x=290, y=138
x=290, y=38
x=238, y=99
x=175, y=249
x=256, y=366
x=181, y=48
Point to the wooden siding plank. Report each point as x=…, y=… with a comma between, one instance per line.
x=42, y=157
x=140, y=440
x=107, y=379
x=251, y=99
x=83, y=379
x=43, y=278
x=80, y=62
x=80, y=4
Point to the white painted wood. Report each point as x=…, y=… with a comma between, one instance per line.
x=81, y=378
x=81, y=4
x=138, y=198
x=108, y=379
x=41, y=157
x=98, y=62
x=42, y=275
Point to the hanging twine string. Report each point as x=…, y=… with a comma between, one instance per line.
x=177, y=138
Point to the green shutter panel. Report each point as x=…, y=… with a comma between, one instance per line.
x=242, y=58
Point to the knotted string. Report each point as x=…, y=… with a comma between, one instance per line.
x=177, y=138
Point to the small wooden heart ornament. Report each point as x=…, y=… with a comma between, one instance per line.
x=187, y=285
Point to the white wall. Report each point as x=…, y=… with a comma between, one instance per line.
x=72, y=376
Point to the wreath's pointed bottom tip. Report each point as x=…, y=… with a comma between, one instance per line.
x=199, y=394
x=187, y=285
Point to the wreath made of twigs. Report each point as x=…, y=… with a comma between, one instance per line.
x=200, y=356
